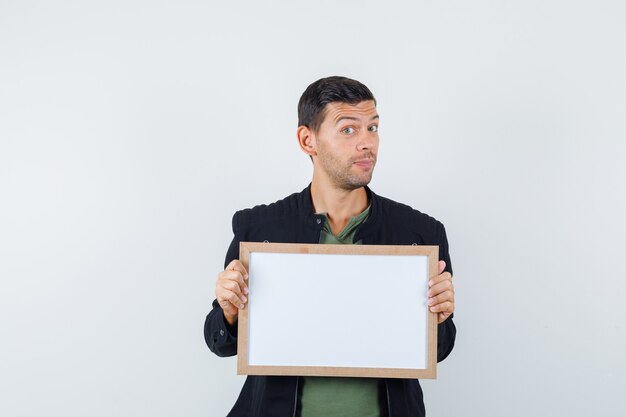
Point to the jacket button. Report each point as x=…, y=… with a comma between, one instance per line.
x=222, y=332
x=319, y=221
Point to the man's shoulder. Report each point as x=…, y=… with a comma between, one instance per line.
x=397, y=210
x=290, y=205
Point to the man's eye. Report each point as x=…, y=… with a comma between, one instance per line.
x=348, y=130
x=373, y=128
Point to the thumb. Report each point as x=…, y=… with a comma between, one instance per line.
x=442, y=267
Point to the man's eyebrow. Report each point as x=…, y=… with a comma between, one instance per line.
x=353, y=118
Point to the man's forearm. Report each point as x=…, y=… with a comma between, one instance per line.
x=446, y=335
x=220, y=337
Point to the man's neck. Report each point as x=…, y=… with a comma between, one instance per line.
x=338, y=204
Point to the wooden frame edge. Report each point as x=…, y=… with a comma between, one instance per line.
x=242, y=318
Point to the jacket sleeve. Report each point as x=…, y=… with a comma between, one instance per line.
x=220, y=337
x=446, y=331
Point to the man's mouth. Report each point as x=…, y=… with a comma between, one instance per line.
x=364, y=163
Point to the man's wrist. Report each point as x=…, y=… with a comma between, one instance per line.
x=231, y=320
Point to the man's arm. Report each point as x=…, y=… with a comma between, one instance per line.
x=441, y=300
x=220, y=326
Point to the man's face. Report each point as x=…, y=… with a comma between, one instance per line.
x=347, y=143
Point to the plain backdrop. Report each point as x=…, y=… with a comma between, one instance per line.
x=130, y=132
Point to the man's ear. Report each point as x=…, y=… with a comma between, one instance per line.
x=306, y=139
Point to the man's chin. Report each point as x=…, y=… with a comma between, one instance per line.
x=356, y=183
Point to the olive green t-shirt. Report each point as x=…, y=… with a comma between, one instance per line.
x=340, y=397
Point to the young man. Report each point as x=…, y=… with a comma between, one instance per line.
x=338, y=129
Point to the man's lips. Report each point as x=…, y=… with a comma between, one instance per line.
x=364, y=163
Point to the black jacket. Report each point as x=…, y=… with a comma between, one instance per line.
x=292, y=220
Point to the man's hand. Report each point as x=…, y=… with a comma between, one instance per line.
x=441, y=294
x=231, y=290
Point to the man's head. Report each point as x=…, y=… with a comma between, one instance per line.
x=338, y=129
x=312, y=104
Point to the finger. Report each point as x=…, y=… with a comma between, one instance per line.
x=223, y=300
x=443, y=316
x=442, y=267
x=228, y=308
x=239, y=302
x=232, y=298
x=446, y=296
x=232, y=286
x=448, y=306
x=236, y=265
x=440, y=287
x=233, y=276
x=440, y=278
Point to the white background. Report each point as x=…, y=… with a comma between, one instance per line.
x=130, y=131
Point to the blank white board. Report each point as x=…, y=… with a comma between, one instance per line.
x=362, y=313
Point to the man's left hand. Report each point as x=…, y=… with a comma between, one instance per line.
x=441, y=294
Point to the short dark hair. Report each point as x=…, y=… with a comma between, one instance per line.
x=312, y=104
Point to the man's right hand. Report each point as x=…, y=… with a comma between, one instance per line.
x=231, y=290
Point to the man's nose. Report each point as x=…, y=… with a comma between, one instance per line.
x=366, y=141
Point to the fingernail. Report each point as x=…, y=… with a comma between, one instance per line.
x=241, y=306
x=243, y=298
x=431, y=302
x=430, y=283
x=245, y=290
x=246, y=277
x=432, y=309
